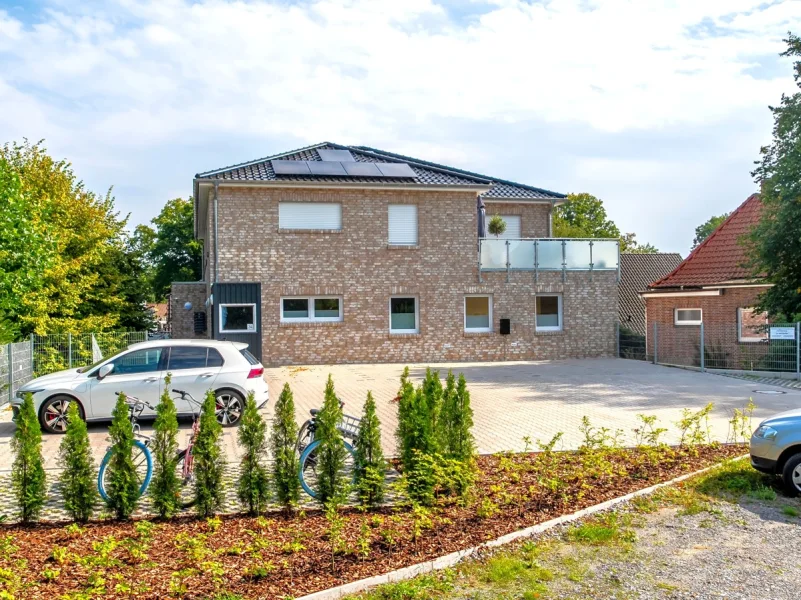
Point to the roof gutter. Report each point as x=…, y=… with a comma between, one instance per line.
x=479, y=189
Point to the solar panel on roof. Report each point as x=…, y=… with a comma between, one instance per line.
x=326, y=167
x=395, y=170
x=336, y=155
x=290, y=167
x=362, y=169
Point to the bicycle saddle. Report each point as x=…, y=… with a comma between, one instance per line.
x=314, y=411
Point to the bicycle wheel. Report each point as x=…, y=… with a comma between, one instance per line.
x=305, y=437
x=186, y=477
x=143, y=463
x=308, y=474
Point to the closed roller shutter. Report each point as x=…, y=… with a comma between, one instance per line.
x=309, y=215
x=513, y=227
x=403, y=224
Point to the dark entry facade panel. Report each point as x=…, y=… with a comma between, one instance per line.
x=236, y=314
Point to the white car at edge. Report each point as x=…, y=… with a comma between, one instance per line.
x=195, y=365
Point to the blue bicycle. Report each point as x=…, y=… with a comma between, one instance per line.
x=308, y=448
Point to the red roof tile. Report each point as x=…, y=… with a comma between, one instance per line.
x=721, y=257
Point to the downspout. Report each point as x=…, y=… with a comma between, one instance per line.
x=216, y=188
x=550, y=218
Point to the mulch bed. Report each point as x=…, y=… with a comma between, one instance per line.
x=279, y=555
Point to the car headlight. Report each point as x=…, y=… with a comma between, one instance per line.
x=21, y=393
x=765, y=432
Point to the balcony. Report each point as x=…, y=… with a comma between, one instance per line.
x=549, y=254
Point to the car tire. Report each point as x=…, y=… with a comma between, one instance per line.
x=53, y=413
x=230, y=406
x=791, y=475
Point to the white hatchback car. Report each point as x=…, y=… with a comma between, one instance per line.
x=196, y=366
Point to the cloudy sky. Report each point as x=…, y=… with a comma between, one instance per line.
x=657, y=107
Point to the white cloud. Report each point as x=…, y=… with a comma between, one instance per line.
x=105, y=83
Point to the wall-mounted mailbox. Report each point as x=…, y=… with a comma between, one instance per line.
x=506, y=326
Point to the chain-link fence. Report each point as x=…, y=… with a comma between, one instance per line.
x=741, y=346
x=43, y=354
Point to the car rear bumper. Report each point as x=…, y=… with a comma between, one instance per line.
x=765, y=465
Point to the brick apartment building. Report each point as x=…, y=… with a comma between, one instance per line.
x=333, y=254
x=713, y=286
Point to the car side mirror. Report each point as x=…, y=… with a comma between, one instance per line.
x=105, y=370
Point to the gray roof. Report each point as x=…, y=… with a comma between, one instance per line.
x=637, y=272
x=426, y=173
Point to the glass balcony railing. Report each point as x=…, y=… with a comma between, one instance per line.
x=549, y=255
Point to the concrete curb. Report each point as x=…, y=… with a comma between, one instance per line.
x=449, y=560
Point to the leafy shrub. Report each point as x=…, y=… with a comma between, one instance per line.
x=596, y=438
x=78, y=484
x=647, y=433
x=694, y=426
x=496, y=225
x=283, y=439
x=166, y=486
x=331, y=453
x=27, y=472
x=456, y=421
x=209, y=461
x=122, y=487
x=370, y=463
x=253, y=484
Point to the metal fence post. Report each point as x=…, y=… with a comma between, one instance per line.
x=10, y=372
x=656, y=342
x=798, y=351
x=69, y=350
x=32, y=369
x=702, y=347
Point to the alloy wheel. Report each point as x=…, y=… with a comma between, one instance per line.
x=797, y=477
x=55, y=415
x=229, y=408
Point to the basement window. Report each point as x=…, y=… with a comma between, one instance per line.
x=688, y=316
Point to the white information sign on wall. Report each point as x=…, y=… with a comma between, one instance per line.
x=782, y=333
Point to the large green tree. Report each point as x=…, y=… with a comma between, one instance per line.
x=776, y=240
x=64, y=259
x=584, y=216
x=173, y=252
x=704, y=230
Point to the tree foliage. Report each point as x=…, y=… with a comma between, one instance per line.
x=64, y=258
x=370, y=463
x=209, y=460
x=331, y=453
x=122, y=484
x=776, y=240
x=704, y=230
x=584, y=216
x=253, y=488
x=283, y=439
x=78, y=485
x=27, y=471
x=170, y=246
x=496, y=225
x=165, y=487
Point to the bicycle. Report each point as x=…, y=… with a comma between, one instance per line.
x=143, y=459
x=307, y=446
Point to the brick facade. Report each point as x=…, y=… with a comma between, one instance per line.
x=679, y=344
x=357, y=264
x=182, y=325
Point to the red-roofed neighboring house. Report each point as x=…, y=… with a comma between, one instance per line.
x=713, y=286
x=159, y=312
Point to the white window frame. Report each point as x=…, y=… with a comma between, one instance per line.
x=478, y=329
x=560, y=313
x=311, y=318
x=740, y=311
x=416, y=314
x=684, y=323
x=234, y=304
x=284, y=226
x=416, y=224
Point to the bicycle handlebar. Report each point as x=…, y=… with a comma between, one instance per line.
x=186, y=395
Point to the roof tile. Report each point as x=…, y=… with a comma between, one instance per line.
x=637, y=271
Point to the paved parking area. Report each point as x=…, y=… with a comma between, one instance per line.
x=510, y=400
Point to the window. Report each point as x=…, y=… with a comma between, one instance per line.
x=478, y=313
x=513, y=227
x=688, y=316
x=237, y=318
x=327, y=308
x=193, y=357
x=403, y=315
x=752, y=326
x=310, y=215
x=138, y=361
x=549, y=313
x=403, y=224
